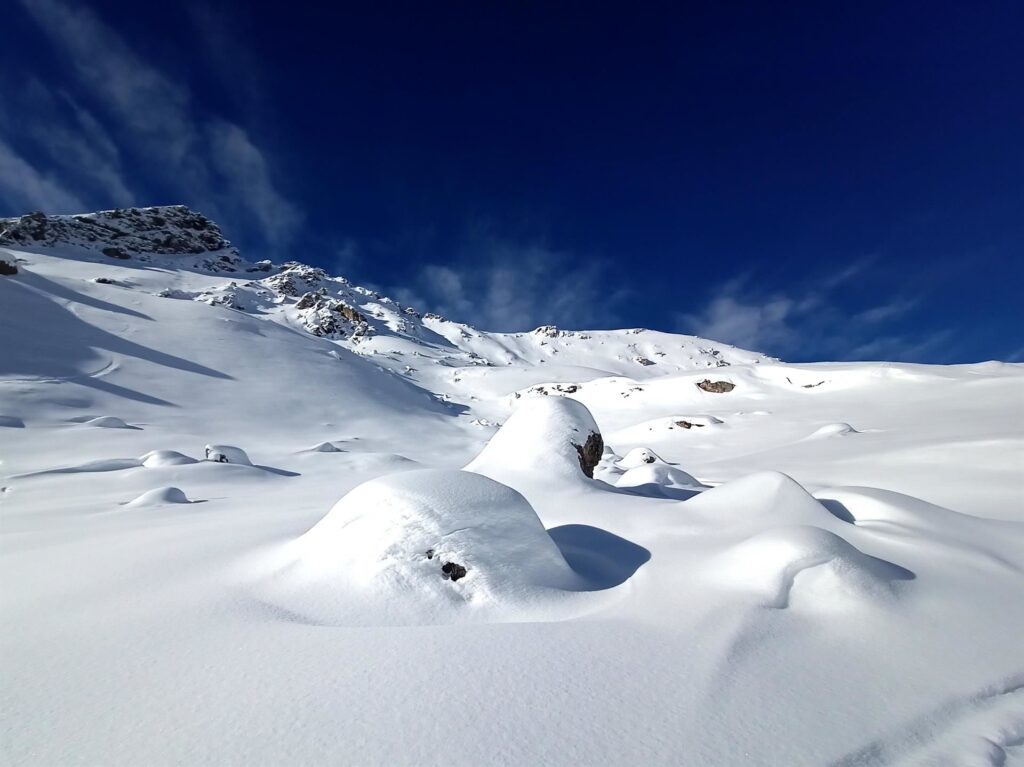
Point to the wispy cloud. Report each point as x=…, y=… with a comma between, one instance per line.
x=182, y=151
x=809, y=320
x=25, y=187
x=502, y=285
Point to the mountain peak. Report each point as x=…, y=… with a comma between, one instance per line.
x=121, y=232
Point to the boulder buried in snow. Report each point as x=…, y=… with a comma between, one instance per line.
x=107, y=422
x=833, y=430
x=158, y=458
x=159, y=496
x=227, y=454
x=432, y=537
x=325, y=447
x=7, y=268
x=640, y=456
x=545, y=438
x=659, y=474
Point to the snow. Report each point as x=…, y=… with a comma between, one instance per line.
x=826, y=567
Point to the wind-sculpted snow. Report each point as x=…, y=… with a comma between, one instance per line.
x=822, y=565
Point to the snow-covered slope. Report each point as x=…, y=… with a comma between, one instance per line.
x=251, y=513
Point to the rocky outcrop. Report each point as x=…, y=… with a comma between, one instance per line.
x=716, y=387
x=7, y=268
x=590, y=452
x=124, y=232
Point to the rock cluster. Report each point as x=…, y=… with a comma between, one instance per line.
x=119, y=233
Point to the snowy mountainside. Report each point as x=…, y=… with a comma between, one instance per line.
x=235, y=491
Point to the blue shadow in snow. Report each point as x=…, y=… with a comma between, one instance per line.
x=604, y=559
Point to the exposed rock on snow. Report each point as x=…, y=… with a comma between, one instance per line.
x=7, y=268
x=171, y=229
x=431, y=539
x=716, y=387
x=227, y=454
x=160, y=495
x=546, y=437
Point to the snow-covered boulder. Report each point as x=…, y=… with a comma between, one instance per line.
x=158, y=458
x=159, y=496
x=11, y=422
x=431, y=538
x=546, y=437
x=107, y=422
x=227, y=454
x=659, y=474
x=640, y=456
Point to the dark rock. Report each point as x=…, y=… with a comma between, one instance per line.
x=716, y=387
x=115, y=252
x=104, y=281
x=453, y=571
x=590, y=453
x=7, y=269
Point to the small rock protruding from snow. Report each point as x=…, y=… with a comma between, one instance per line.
x=715, y=387
x=546, y=437
x=159, y=496
x=7, y=268
x=227, y=454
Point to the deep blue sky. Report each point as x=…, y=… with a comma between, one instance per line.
x=816, y=181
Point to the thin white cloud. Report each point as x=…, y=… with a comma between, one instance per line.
x=201, y=159
x=806, y=321
x=24, y=187
x=245, y=171
x=505, y=286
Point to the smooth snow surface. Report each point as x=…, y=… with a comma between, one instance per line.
x=824, y=567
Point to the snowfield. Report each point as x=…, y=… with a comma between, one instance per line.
x=255, y=514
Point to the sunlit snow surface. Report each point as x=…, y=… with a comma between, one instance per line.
x=824, y=565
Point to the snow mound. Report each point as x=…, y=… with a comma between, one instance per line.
x=640, y=456
x=767, y=496
x=833, y=430
x=546, y=437
x=659, y=474
x=156, y=458
x=227, y=454
x=428, y=539
x=160, y=495
x=642, y=431
x=11, y=422
x=107, y=422
x=819, y=568
x=324, y=447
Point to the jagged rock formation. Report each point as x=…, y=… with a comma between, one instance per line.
x=168, y=229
